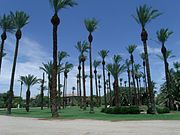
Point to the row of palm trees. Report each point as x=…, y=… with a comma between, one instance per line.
x=13, y=23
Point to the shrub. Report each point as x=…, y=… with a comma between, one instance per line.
x=162, y=110
x=122, y=110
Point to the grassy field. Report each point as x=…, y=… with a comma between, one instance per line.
x=76, y=113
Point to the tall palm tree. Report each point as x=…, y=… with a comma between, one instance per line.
x=109, y=82
x=104, y=54
x=144, y=15
x=47, y=68
x=91, y=26
x=67, y=68
x=57, y=6
x=79, y=82
x=96, y=64
x=127, y=63
x=131, y=49
x=99, y=85
x=83, y=48
x=163, y=35
x=116, y=69
x=19, y=19
x=61, y=55
x=6, y=25
x=29, y=81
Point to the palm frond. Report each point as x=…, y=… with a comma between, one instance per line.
x=131, y=48
x=103, y=53
x=91, y=24
x=6, y=24
x=163, y=35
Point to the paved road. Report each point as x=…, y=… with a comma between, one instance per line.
x=29, y=126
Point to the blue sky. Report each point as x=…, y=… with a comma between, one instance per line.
x=117, y=29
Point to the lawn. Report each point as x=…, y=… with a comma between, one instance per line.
x=76, y=113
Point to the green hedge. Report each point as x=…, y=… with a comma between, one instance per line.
x=122, y=110
x=162, y=110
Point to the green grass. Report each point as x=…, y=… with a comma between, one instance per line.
x=76, y=113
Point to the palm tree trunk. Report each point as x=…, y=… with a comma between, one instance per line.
x=20, y=96
x=129, y=85
x=64, y=92
x=109, y=79
x=104, y=79
x=55, y=21
x=91, y=75
x=84, y=86
x=151, y=104
x=3, y=38
x=138, y=99
x=10, y=93
x=80, y=92
x=116, y=93
x=99, y=93
x=59, y=90
x=145, y=80
x=42, y=93
x=134, y=84
x=28, y=93
x=49, y=89
x=96, y=83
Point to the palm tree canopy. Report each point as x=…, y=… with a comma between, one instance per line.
x=47, y=68
x=131, y=48
x=168, y=55
x=6, y=23
x=91, y=24
x=68, y=66
x=163, y=35
x=103, y=53
x=116, y=69
x=96, y=63
x=19, y=19
x=145, y=14
x=117, y=59
x=62, y=55
x=29, y=80
x=82, y=47
x=57, y=5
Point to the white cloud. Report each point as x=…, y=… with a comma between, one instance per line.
x=151, y=50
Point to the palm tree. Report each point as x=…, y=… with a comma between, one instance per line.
x=127, y=63
x=61, y=55
x=29, y=81
x=19, y=19
x=109, y=82
x=57, y=5
x=67, y=68
x=144, y=71
x=6, y=25
x=91, y=26
x=47, y=68
x=99, y=85
x=116, y=69
x=131, y=49
x=104, y=54
x=96, y=64
x=167, y=56
x=163, y=35
x=83, y=47
x=144, y=15
x=79, y=80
